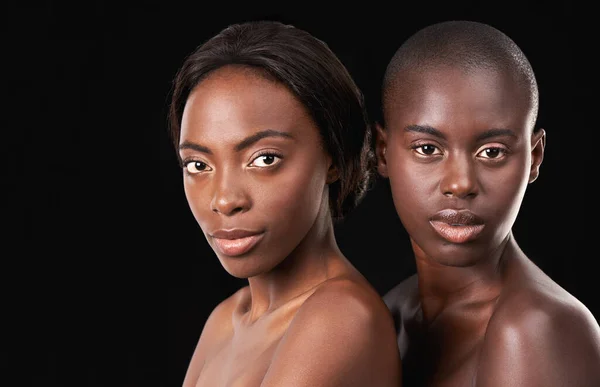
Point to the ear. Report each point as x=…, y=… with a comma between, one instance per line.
x=332, y=174
x=538, y=144
x=380, y=149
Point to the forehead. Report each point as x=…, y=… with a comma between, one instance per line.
x=235, y=98
x=445, y=96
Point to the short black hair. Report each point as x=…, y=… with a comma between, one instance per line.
x=465, y=44
x=317, y=78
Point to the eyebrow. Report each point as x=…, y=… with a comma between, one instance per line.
x=494, y=132
x=194, y=146
x=425, y=129
x=248, y=141
x=245, y=143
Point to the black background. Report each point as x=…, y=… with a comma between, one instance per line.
x=111, y=279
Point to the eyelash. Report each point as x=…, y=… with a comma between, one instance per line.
x=186, y=162
x=418, y=146
x=502, y=150
x=266, y=153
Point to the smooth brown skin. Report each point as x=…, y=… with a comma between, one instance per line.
x=478, y=313
x=308, y=317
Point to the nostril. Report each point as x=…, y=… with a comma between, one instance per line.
x=226, y=211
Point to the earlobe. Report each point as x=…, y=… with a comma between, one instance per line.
x=538, y=145
x=380, y=150
x=332, y=174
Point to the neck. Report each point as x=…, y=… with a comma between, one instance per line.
x=309, y=264
x=443, y=287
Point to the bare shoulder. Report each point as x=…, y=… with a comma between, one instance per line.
x=217, y=329
x=540, y=334
x=353, y=305
x=344, y=333
x=346, y=299
x=219, y=322
x=543, y=310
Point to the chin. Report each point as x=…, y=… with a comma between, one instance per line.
x=455, y=255
x=456, y=261
x=245, y=267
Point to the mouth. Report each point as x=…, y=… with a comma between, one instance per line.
x=457, y=226
x=233, y=243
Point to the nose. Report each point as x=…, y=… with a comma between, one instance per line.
x=230, y=196
x=459, y=179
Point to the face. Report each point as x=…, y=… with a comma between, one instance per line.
x=459, y=151
x=254, y=169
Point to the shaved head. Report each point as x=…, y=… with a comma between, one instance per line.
x=465, y=45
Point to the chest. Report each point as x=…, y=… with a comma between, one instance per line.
x=442, y=363
x=241, y=361
x=445, y=354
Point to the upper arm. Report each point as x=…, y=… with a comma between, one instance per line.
x=339, y=337
x=542, y=347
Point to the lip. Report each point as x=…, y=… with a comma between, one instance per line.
x=457, y=226
x=236, y=242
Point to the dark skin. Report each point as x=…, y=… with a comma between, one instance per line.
x=254, y=162
x=478, y=312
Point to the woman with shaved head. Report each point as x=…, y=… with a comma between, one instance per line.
x=460, y=146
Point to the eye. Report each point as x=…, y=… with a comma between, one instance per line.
x=194, y=167
x=427, y=150
x=265, y=160
x=492, y=153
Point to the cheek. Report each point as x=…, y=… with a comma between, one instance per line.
x=197, y=198
x=412, y=184
x=506, y=190
x=412, y=189
x=294, y=195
